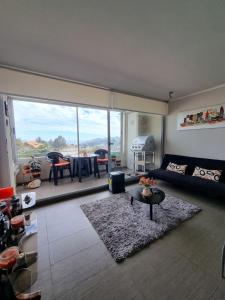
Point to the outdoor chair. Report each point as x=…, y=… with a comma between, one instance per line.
x=58, y=163
x=102, y=158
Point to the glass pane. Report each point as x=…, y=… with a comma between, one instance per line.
x=143, y=125
x=115, y=139
x=41, y=128
x=92, y=130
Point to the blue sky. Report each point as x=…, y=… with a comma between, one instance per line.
x=48, y=121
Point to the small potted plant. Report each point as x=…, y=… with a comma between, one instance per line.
x=35, y=165
x=147, y=183
x=26, y=169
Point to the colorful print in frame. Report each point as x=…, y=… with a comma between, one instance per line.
x=208, y=117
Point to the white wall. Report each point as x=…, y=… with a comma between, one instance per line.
x=207, y=143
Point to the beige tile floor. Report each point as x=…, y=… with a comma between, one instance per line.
x=185, y=264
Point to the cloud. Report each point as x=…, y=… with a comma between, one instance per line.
x=49, y=120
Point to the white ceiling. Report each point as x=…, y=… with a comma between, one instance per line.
x=143, y=47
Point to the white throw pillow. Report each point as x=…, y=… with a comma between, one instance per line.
x=207, y=174
x=176, y=168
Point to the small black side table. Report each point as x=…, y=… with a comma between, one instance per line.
x=156, y=198
x=79, y=160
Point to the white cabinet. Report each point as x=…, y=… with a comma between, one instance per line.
x=144, y=161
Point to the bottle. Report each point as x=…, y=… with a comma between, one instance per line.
x=16, y=206
x=4, y=231
x=5, y=209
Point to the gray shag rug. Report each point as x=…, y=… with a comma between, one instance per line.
x=126, y=229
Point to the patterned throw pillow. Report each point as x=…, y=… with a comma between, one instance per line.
x=207, y=174
x=176, y=168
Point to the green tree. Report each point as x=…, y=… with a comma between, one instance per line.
x=59, y=142
x=19, y=142
x=50, y=142
x=39, y=140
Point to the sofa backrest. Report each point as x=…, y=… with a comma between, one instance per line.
x=192, y=162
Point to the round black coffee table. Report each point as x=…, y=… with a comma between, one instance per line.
x=156, y=198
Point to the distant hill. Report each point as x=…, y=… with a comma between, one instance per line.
x=100, y=141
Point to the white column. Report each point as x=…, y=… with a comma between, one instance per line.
x=7, y=166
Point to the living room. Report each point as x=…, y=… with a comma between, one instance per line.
x=119, y=70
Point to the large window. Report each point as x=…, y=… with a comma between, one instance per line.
x=41, y=128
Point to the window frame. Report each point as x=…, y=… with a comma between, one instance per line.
x=62, y=103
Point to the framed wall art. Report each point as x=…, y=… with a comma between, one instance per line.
x=207, y=117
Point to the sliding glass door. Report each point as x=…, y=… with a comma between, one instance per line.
x=115, y=139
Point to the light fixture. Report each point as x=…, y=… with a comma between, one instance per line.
x=171, y=94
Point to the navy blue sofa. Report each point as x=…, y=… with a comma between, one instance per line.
x=196, y=184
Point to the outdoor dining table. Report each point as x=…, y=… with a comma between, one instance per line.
x=78, y=162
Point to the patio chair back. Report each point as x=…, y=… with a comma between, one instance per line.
x=54, y=157
x=102, y=158
x=58, y=163
x=102, y=153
